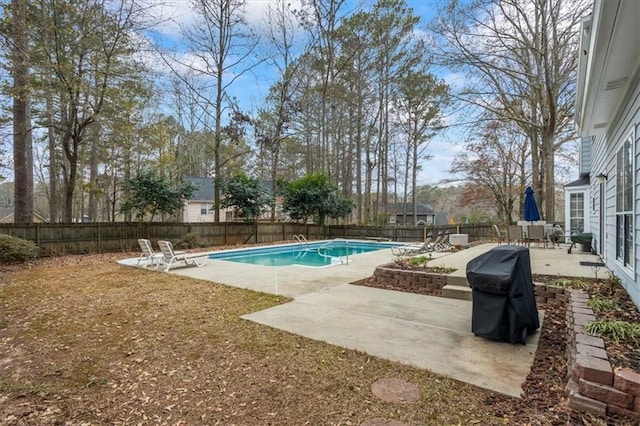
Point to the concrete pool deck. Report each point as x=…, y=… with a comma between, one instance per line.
x=427, y=332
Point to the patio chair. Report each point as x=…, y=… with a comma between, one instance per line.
x=413, y=249
x=170, y=257
x=514, y=234
x=446, y=244
x=536, y=233
x=443, y=244
x=148, y=256
x=558, y=235
x=436, y=243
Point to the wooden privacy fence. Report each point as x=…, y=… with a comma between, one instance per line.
x=77, y=238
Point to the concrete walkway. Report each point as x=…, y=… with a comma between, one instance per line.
x=427, y=332
x=423, y=331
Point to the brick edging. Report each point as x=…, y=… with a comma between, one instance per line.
x=593, y=386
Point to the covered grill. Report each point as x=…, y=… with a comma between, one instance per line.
x=504, y=304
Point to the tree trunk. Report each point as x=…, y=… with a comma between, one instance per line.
x=92, y=208
x=549, y=181
x=274, y=177
x=53, y=163
x=71, y=154
x=22, y=140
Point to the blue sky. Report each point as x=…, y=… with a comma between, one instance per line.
x=251, y=90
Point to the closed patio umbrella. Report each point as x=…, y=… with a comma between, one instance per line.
x=530, y=208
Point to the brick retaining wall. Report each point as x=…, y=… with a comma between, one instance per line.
x=422, y=282
x=592, y=384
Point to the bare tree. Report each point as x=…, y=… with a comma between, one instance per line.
x=520, y=59
x=421, y=98
x=220, y=47
x=274, y=123
x=495, y=166
x=321, y=18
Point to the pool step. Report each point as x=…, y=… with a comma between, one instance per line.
x=457, y=287
x=453, y=291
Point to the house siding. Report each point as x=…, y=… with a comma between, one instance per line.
x=191, y=212
x=585, y=155
x=625, y=123
x=598, y=148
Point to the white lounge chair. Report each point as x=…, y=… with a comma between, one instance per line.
x=148, y=256
x=413, y=249
x=170, y=257
x=444, y=244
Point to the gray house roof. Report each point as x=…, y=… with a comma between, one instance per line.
x=582, y=181
x=204, y=188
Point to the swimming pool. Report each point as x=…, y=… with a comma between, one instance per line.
x=316, y=254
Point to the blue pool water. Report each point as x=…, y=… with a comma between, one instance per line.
x=315, y=254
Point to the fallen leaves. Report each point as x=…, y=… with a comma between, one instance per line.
x=136, y=346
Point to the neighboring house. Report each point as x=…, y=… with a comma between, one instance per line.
x=199, y=207
x=279, y=215
x=425, y=215
x=606, y=198
x=6, y=216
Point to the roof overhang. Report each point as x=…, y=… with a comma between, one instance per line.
x=609, y=59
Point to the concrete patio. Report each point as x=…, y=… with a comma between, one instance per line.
x=424, y=331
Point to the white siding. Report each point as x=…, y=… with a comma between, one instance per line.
x=585, y=155
x=604, y=159
x=598, y=148
x=192, y=212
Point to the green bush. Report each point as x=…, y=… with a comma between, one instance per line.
x=617, y=330
x=599, y=304
x=15, y=250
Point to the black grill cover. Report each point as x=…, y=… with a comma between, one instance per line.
x=504, y=304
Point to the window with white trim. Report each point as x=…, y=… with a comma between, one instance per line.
x=205, y=209
x=576, y=212
x=624, y=203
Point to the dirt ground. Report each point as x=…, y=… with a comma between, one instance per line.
x=87, y=341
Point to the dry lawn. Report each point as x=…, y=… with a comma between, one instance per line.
x=87, y=341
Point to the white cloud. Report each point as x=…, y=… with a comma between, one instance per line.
x=443, y=149
x=174, y=14
x=455, y=80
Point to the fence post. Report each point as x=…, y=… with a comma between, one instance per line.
x=99, y=230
